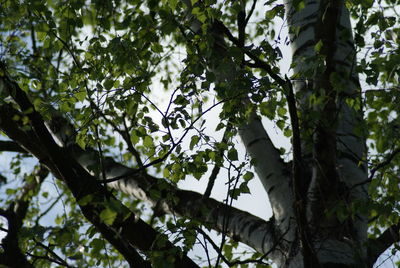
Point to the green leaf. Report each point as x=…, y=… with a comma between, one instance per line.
x=248, y=176
x=134, y=137
x=148, y=141
x=80, y=95
x=81, y=141
x=85, y=200
x=172, y=4
x=318, y=46
x=108, y=216
x=10, y=191
x=233, y=155
x=193, y=142
x=282, y=111
x=276, y=10
x=287, y=132
x=97, y=244
x=156, y=47
x=166, y=173
x=108, y=84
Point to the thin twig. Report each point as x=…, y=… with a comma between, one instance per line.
x=162, y=158
x=48, y=209
x=377, y=167
x=216, y=169
x=253, y=7
x=49, y=250
x=257, y=61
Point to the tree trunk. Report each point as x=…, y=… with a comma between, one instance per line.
x=333, y=149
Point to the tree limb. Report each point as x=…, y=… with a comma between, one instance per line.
x=376, y=246
x=215, y=171
x=269, y=166
x=242, y=226
x=15, y=214
x=127, y=231
x=11, y=146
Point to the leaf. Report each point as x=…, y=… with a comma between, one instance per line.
x=300, y=4
x=172, y=4
x=10, y=191
x=282, y=111
x=108, y=216
x=194, y=140
x=148, y=141
x=276, y=10
x=318, y=46
x=108, y=84
x=97, y=245
x=166, y=173
x=268, y=108
x=156, y=47
x=85, y=200
x=244, y=188
x=134, y=137
x=80, y=140
x=248, y=176
x=64, y=238
x=80, y=95
x=233, y=155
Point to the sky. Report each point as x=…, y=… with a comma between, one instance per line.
x=256, y=202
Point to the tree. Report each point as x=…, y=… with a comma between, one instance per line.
x=78, y=83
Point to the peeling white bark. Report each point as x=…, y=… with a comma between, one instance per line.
x=270, y=168
x=351, y=148
x=275, y=177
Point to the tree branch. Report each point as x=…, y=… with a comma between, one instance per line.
x=257, y=61
x=215, y=171
x=257, y=233
x=127, y=232
x=383, y=164
x=378, y=245
x=372, y=172
x=15, y=214
x=57, y=259
x=11, y=146
x=272, y=171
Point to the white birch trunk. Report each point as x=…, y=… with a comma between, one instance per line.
x=350, y=143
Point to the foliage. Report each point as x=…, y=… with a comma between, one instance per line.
x=138, y=82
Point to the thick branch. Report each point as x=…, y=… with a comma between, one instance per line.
x=127, y=231
x=11, y=146
x=384, y=163
x=329, y=127
x=270, y=168
x=241, y=225
x=15, y=214
x=325, y=136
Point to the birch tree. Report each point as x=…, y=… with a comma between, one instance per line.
x=111, y=102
